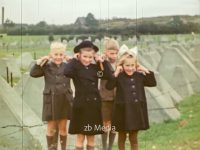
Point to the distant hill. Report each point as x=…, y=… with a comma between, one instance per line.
x=121, y=22
x=115, y=26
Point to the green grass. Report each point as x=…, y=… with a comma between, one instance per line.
x=15, y=45
x=20, y=45
x=182, y=134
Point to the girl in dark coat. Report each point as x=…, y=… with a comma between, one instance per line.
x=86, y=118
x=57, y=94
x=130, y=106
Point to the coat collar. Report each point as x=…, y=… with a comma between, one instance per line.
x=83, y=66
x=54, y=65
x=129, y=76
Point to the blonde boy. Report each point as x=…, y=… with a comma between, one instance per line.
x=111, y=48
x=57, y=94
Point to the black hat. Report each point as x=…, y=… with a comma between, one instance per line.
x=85, y=44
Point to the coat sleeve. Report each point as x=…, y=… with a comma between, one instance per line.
x=69, y=69
x=37, y=71
x=149, y=79
x=107, y=72
x=112, y=82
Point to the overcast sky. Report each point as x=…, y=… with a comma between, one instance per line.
x=66, y=11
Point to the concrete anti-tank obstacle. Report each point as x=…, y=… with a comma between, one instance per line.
x=23, y=113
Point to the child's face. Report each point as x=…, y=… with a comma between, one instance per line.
x=57, y=56
x=129, y=66
x=86, y=57
x=111, y=55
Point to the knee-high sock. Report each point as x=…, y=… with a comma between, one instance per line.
x=90, y=147
x=79, y=148
x=63, y=141
x=55, y=139
x=111, y=140
x=104, y=137
x=50, y=143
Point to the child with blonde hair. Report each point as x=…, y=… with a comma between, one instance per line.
x=111, y=48
x=130, y=106
x=57, y=94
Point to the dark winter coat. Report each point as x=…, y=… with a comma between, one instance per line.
x=86, y=110
x=130, y=106
x=57, y=93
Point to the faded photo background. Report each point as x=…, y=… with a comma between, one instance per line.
x=167, y=34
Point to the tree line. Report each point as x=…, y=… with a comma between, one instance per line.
x=91, y=26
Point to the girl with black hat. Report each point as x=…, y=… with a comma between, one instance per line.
x=86, y=111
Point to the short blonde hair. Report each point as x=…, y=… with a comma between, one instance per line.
x=110, y=44
x=57, y=46
x=126, y=56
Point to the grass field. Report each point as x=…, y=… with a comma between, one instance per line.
x=15, y=45
x=183, y=134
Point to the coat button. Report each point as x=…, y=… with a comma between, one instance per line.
x=136, y=100
x=86, y=67
x=93, y=83
x=95, y=98
x=87, y=99
x=132, y=79
x=134, y=93
x=133, y=86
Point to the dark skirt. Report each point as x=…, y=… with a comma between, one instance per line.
x=107, y=108
x=130, y=116
x=86, y=119
x=56, y=107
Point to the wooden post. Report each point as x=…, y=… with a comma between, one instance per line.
x=34, y=55
x=7, y=74
x=11, y=79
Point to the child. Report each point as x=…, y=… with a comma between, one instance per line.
x=57, y=94
x=86, y=111
x=111, y=48
x=130, y=106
